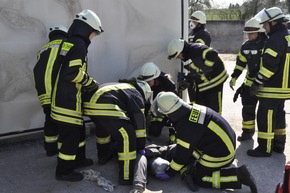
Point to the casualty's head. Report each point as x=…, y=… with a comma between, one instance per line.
x=57, y=30
x=197, y=18
x=86, y=24
x=270, y=18
x=175, y=49
x=253, y=28
x=166, y=103
x=149, y=72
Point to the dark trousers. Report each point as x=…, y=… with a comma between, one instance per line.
x=249, y=110
x=50, y=132
x=271, y=124
x=123, y=133
x=72, y=147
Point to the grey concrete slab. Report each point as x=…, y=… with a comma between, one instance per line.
x=24, y=168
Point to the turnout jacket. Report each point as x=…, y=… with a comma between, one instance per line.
x=72, y=77
x=203, y=135
x=46, y=69
x=273, y=75
x=118, y=101
x=204, y=65
x=163, y=83
x=199, y=35
x=249, y=57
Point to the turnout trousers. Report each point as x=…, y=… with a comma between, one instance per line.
x=72, y=150
x=123, y=134
x=271, y=125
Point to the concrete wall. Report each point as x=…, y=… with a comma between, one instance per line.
x=227, y=36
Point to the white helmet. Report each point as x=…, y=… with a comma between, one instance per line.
x=91, y=19
x=58, y=28
x=145, y=88
x=175, y=47
x=167, y=102
x=253, y=25
x=271, y=14
x=158, y=165
x=199, y=17
x=149, y=71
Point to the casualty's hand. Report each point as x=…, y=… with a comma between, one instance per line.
x=233, y=83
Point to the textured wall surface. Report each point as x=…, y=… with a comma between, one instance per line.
x=135, y=32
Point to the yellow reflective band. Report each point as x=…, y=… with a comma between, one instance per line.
x=109, y=113
x=242, y=58
x=68, y=112
x=82, y=143
x=79, y=77
x=248, y=82
x=141, y=133
x=127, y=156
x=50, y=139
x=200, y=41
x=280, y=131
x=223, y=135
x=229, y=179
x=192, y=66
x=213, y=82
x=249, y=124
x=265, y=72
x=285, y=79
x=220, y=102
x=104, y=140
x=205, y=52
x=66, y=119
x=66, y=157
x=240, y=68
x=66, y=46
x=183, y=143
x=59, y=144
x=107, y=88
x=176, y=166
x=208, y=63
x=271, y=52
x=51, y=44
x=77, y=62
x=264, y=135
x=216, y=179
x=156, y=119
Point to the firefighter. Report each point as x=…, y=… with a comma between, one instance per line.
x=198, y=33
x=66, y=105
x=206, y=70
x=117, y=110
x=249, y=57
x=272, y=84
x=206, y=139
x=44, y=75
x=158, y=81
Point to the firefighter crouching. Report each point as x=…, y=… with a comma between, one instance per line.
x=158, y=81
x=206, y=137
x=117, y=109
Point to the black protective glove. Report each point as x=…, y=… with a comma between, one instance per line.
x=183, y=85
x=238, y=92
x=254, y=89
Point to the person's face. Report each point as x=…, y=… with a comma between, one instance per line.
x=180, y=56
x=151, y=82
x=92, y=35
x=252, y=36
x=266, y=26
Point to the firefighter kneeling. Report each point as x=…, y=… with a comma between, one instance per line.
x=205, y=137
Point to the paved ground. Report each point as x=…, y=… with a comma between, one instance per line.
x=24, y=168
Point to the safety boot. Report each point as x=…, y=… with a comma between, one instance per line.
x=71, y=177
x=245, y=136
x=246, y=178
x=258, y=153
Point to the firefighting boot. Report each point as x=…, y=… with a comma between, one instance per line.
x=71, y=177
x=246, y=178
x=246, y=135
x=258, y=153
x=84, y=163
x=279, y=144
